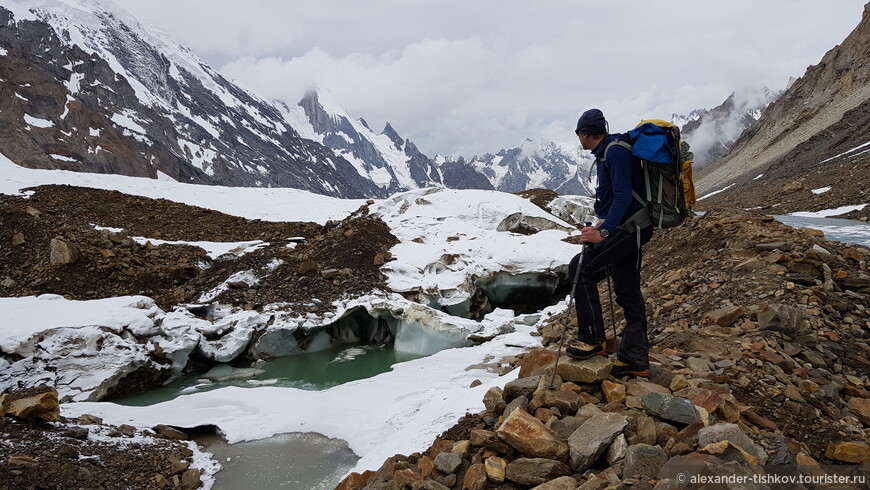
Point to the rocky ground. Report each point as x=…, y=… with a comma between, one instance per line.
x=326, y=261
x=41, y=449
x=760, y=356
x=762, y=329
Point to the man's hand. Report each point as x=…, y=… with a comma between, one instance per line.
x=590, y=234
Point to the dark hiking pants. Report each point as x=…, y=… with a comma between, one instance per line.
x=619, y=251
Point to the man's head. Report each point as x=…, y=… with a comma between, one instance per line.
x=591, y=129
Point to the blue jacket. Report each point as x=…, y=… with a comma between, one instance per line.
x=617, y=177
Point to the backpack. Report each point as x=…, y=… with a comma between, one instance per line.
x=666, y=162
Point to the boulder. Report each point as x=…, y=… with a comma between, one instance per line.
x=531, y=437
x=536, y=359
x=850, y=452
x=475, y=477
x=495, y=469
x=861, y=408
x=521, y=387
x=589, y=441
x=669, y=407
x=63, y=252
x=39, y=403
x=613, y=392
x=448, y=462
x=643, y=460
x=732, y=433
x=535, y=471
x=592, y=370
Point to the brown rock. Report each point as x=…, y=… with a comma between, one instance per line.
x=591, y=370
x=531, y=437
x=405, y=476
x=495, y=469
x=18, y=239
x=63, y=252
x=725, y=317
x=170, y=432
x=475, y=478
x=709, y=400
x=850, y=452
x=760, y=421
x=535, y=471
x=36, y=403
x=190, y=479
x=613, y=392
x=561, y=483
x=493, y=398
x=536, y=359
x=488, y=439
x=355, y=481
x=861, y=408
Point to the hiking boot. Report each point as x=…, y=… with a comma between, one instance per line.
x=582, y=350
x=621, y=369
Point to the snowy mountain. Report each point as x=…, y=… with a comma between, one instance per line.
x=87, y=87
x=542, y=164
x=395, y=164
x=711, y=132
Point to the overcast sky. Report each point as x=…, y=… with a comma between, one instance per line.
x=471, y=76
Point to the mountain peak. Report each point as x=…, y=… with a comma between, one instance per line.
x=393, y=135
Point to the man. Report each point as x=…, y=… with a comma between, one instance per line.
x=616, y=242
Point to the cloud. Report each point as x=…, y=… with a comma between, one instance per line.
x=465, y=78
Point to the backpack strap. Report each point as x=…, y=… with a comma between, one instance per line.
x=603, y=158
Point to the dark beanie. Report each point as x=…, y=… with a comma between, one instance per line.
x=592, y=122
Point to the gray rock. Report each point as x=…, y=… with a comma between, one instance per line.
x=447, y=462
x=643, y=460
x=519, y=402
x=733, y=434
x=617, y=450
x=521, y=387
x=669, y=407
x=589, y=441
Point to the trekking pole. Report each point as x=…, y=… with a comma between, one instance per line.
x=568, y=313
x=612, y=316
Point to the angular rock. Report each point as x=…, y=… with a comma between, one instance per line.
x=850, y=452
x=493, y=397
x=521, y=387
x=475, y=477
x=646, y=431
x=536, y=359
x=531, y=437
x=709, y=400
x=725, y=317
x=861, y=408
x=565, y=401
x=448, y=462
x=518, y=402
x=639, y=388
x=592, y=370
x=170, y=432
x=727, y=451
x=669, y=407
x=592, y=438
x=561, y=483
x=495, y=469
x=732, y=433
x=63, y=252
x=643, y=460
x=613, y=392
x=535, y=471
x=616, y=450
x=40, y=403
x=488, y=439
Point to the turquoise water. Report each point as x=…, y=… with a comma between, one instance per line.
x=309, y=371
